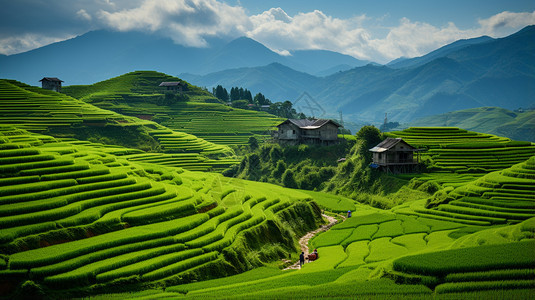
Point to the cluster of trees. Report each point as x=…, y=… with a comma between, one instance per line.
x=305, y=167
x=236, y=93
x=319, y=168
x=242, y=98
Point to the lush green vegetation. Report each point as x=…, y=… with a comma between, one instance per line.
x=194, y=111
x=82, y=217
x=47, y=112
x=105, y=218
x=516, y=125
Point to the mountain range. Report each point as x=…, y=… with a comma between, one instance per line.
x=465, y=74
x=99, y=55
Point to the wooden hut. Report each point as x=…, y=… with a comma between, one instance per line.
x=304, y=131
x=51, y=83
x=175, y=86
x=395, y=155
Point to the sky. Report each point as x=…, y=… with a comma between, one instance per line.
x=373, y=30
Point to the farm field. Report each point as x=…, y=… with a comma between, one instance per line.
x=93, y=217
x=106, y=219
x=199, y=113
x=42, y=111
x=143, y=225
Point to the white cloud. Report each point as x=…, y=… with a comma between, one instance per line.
x=82, y=13
x=315, y=30
x=26, y=42
x=187, y=22
x=190, y=22
x=506, y=20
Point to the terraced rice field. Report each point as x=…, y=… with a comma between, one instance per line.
x=39, y=110
x=220, y=124
x=90, y=218
x=461, y=151
x=122, y=219
x=500, y=197
x=36, y=109
x=202, y=115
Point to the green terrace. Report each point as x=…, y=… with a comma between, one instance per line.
x=457, y=150
x=73, y=214
x=198, y=112
x=81, y=217
x=39, y=110
x=500, y=197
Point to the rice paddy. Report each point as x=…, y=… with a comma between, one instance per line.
x=80, y=218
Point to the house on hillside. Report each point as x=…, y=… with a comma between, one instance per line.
x=396, y=156
x=51, y=83
x=304, y=131
x=175, y=86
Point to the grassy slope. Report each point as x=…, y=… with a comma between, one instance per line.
x=201, y=114
x=354, y=255
x=359, y=257
x=105, y=218
x=40, y=110
x=493, y=120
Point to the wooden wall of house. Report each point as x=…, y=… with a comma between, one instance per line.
x=51, y=85
x=288, y=132
x=328, y=132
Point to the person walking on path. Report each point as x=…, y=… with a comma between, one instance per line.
x=301, y=259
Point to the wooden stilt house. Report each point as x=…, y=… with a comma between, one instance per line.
x=396, y=156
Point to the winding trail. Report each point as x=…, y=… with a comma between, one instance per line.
x=303, y=241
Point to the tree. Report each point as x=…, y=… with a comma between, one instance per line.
x=234, y=94
x=368, y=136
x=247, y=96
x=253, y=143
x=259, y=99
x=221, y=93
x=288, y=179
x=279, y=169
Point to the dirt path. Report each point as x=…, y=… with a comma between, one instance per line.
x=303, y=241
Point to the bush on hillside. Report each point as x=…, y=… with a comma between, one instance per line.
x=288, y=179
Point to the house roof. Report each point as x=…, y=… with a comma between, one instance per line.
x=171, y=83
x=309, y=124
x=389, y=143
x=51, y=79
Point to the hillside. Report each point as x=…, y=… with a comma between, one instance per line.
x=194, y=111
x=516, y=125
x=463, y=75
x=56, y=114
x=67, y=210
x=81, y=218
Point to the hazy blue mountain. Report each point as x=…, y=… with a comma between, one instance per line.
x=99, y=55
x=404, y=62
x=316, y=62
x=335, y=69
x=289, y=83
x=241, y=52
x=468, y=74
